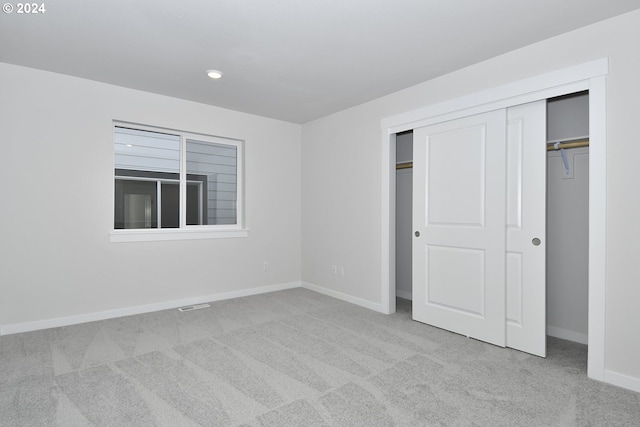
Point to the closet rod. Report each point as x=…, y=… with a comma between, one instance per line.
x=572, y=144
x=404, y=165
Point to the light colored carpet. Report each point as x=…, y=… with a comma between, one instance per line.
x=293, y=358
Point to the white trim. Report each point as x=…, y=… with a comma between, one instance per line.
x=388, y=252
x=568, y=335
x=240, y=185
x=387, y=218
x=120, y=312
x=597, y=227
x=621, y=380
x=154, y=235
x=344, y=297
x=182, y=192
x=591, y=76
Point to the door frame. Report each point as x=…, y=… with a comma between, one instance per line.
x=589, y=76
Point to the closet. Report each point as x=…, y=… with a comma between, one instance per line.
x=567, y=218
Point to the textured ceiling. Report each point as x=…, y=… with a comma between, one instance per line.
x=294, y=60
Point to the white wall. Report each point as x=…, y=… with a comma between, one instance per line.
x=341, y=160
x=56, y=185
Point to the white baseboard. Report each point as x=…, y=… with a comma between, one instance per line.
x=622, y=380
x=128, y=311
x=344, y=297
x=568, y=335
x=404, y=294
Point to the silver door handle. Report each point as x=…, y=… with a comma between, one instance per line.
x=417, y=233
x=535, y=241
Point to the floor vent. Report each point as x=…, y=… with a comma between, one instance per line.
x=193, y=307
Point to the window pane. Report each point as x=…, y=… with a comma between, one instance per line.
x=196, y=206
x=213, y=168
x=170, y=205
x=146, y=151
x=145, y=162
x=136, y=204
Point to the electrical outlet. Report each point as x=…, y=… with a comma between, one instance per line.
x=334, y=269
x=266, y=266
x=341, y=271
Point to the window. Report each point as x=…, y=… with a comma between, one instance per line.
x=170, y=180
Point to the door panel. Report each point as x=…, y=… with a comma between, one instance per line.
x=459, y=212
x=526, y=216
x=456, y=278
x=461, y=200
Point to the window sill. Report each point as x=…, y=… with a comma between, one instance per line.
x=117, y=236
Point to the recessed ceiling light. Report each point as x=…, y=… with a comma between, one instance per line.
x=214, y=74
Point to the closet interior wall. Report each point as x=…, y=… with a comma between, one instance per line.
x=568, y=219
x=404, y=206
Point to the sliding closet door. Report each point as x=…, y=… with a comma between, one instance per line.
x=459, y=218
x=526, y=215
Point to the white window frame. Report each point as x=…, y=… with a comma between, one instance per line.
x=185, y=232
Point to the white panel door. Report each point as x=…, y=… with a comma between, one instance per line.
x=459, y=171
x=526, y=222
